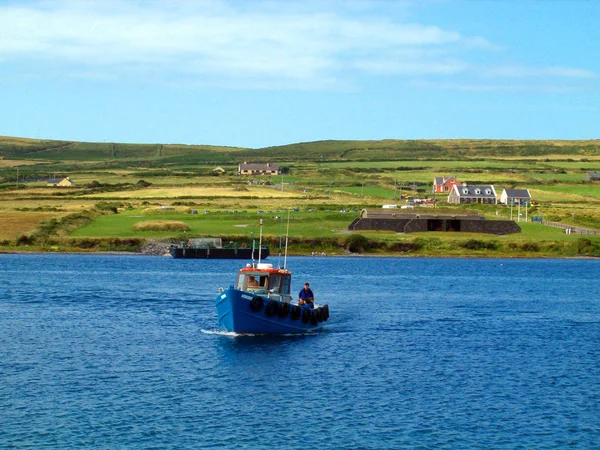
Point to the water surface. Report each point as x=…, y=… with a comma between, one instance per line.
x=125, y=352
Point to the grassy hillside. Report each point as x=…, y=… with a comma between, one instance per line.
x=383, y=150
x=123, y=192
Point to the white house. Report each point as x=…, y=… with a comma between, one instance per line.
x=515, y=196
x=473, y=194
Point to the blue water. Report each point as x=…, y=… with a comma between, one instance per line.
x=124, y=352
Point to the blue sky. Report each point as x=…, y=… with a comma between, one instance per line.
x=261, y=73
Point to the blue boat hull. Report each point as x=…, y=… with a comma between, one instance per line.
x=244, y=312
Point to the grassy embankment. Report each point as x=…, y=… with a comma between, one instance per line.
x=135, y=180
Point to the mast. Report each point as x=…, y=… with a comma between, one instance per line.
x=287, y=233
x=260, y=241
x=253, y=240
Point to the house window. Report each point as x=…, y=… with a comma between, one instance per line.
x=478, y=191
x=446, y=188
x=488, y=191
x=465, y=191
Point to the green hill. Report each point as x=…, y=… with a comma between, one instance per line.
x=382, y=150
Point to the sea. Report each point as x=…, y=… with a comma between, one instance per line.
x=124, y=351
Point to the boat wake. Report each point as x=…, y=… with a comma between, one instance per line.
x=220, y=333
x=234, y=334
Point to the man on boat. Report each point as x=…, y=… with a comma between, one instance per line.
x=306, y=296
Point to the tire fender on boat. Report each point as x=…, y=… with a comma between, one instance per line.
x=305, y=315
x=272, y=308
x=325, y=312
x=314, y=317
x=296, y=312
x=257, y=304
x=284, y=310
x=320, y=314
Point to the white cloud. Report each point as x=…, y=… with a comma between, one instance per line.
x=295, y=45
x=532, y=72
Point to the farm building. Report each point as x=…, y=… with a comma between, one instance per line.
x=443, y=185
x=592, y=176
x=402, y=222
x=247, y=168
x=60, y=182
x=473, y=194
x=515, y=196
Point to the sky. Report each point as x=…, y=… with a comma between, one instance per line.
x=254, y=73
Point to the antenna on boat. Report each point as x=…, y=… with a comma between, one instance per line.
x=252, y=255
x=280, y=240
x=287, y=233
x=259, y=241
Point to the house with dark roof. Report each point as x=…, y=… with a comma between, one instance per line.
x=60, y=182
x=515, y=196
x=442, y=185
x=592, y=176
x=473, y=194
x=247, y=168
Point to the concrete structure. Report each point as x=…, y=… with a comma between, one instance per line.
x=515, y=196
x=402, y=222
x=247, y=168
x=473, y=194
x=443, y=185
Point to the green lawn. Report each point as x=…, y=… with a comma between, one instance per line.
x=302, y=224
x=578, y=189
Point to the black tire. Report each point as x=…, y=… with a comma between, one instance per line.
x=314, y=317
x=272, y=308
x=305, y=315
x=325, y=312
x=284, y=310
x=296, y=312
x=257, y=304
x=320, y=314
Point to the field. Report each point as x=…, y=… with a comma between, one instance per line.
x=139, y=191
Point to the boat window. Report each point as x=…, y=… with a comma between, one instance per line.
x=285, y=284
x=275, y=282
x=242, y=282
x=246, y=282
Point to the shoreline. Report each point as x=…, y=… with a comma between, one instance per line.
x=351, y=255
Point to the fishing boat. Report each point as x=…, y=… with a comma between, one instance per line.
x=260, y=302
x=213, y=248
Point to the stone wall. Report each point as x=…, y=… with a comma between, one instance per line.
x=414, y=225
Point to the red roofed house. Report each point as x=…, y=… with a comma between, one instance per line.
x=443, y=185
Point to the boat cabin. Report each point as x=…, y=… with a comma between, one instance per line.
x=265, y=280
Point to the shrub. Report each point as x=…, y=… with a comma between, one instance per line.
x=109, y=206
x=588, y=247
x=530, y=247
x=475, y=244
x=24, y=240
x=161, y=225
x=404, y=247
x=356, y=243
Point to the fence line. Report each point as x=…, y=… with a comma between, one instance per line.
x=571, y=228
